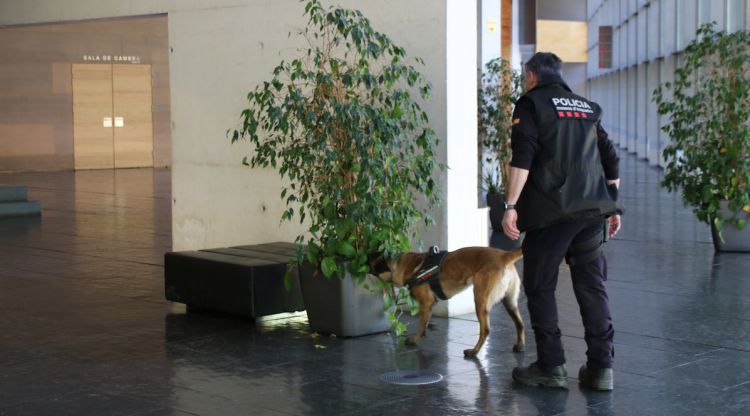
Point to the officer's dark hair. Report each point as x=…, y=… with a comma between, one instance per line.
x=544, y=64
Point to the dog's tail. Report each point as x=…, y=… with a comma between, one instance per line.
x=514, y=255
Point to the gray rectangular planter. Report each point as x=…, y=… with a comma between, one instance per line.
x=734, y=238
x=341, y=306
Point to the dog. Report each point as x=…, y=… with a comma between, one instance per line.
x=492, y=272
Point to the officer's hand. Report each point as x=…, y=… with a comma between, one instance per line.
x=614, y=225
x=509, y=224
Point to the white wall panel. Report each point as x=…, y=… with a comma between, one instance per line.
x=668, y=23
x=614, y=99
x=735, y=15
x=712, y=11
x=623, y=10
x=592, y=6
x=632, y=31
x=653, y=30
x=666, y=73
x=641, y=106
x=641, y=34
x=652, y=115
x=617, y=47
x=632, y=93
x=688, y=21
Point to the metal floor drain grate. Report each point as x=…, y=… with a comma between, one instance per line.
x=411, y=377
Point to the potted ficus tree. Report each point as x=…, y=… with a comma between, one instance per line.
x=501, y=87
x=342, y=122
x=708, y=110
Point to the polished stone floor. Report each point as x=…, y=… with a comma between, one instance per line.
x=85, y=329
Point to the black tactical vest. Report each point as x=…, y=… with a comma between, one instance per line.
x=566, y=180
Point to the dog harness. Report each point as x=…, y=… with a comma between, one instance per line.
x=429, y=272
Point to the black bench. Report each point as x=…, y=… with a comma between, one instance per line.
x=243, y=280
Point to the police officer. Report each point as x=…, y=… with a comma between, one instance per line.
x=563, y=190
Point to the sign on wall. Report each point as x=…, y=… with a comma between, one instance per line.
x=122, y=59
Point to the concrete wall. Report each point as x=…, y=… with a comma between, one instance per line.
x=646, y=42
x=220, y=49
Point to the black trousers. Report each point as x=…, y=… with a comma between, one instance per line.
x=543, y=252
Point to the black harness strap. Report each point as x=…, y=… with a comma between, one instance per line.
x=429, y=272
x=582, y=253
x=435, y=286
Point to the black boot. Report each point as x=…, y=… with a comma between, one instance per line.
x=534, y=375
x=596, y=379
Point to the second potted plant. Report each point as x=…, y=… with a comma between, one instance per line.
x=501, y=87
x=708, y=157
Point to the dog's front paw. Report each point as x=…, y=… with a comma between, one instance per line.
x=519, y=348
x=470, y=353
x=411, y=341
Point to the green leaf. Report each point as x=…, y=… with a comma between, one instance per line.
x=346, y=249
x=328, y=266
x=399, y=328
x=719, y=224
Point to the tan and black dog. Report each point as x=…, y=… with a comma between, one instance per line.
x=492, y=272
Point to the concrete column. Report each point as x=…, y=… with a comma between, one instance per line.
x=464, y=219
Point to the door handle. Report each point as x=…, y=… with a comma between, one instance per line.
x=107, y=121
x=119, y=121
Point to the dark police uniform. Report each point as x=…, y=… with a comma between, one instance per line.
x=563, y=207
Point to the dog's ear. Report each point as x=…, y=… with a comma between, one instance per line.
x=405, y=266
x=378, y=264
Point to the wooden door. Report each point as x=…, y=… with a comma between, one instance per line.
x=92, y=116
x=133, y=132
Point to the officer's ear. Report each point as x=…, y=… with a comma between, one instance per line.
x=530, y=80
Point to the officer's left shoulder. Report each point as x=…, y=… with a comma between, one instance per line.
x=591, y=103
